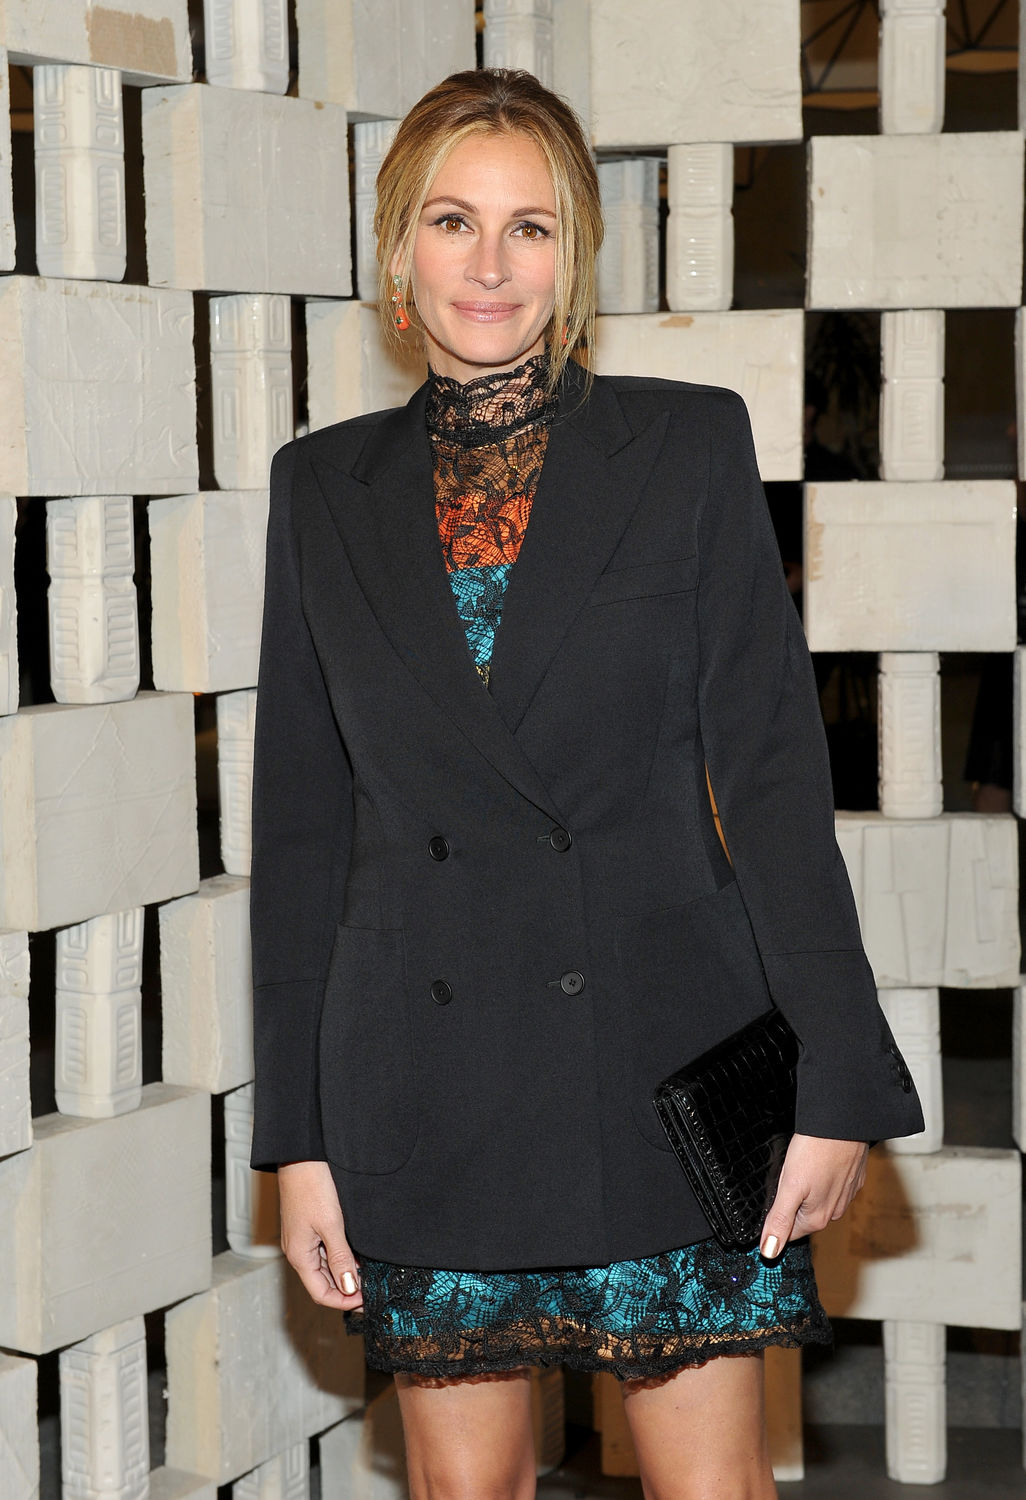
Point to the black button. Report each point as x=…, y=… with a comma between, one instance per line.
x=438, y=847
x=441, y=993
x=572, y=983
x=560, y=840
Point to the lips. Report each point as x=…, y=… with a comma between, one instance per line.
x=485, y=309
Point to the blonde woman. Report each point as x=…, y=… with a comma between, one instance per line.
x=516, y=635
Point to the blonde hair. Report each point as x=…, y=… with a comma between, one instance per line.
x=498, y=101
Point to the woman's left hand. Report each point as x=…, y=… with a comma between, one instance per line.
x=818, y=1180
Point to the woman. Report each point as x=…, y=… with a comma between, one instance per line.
x=512, y=631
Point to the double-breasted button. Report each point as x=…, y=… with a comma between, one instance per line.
x=560, y=840
x=572, y=983
x=438, y=848
x=441, y=993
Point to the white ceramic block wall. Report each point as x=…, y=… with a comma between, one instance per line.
x=80, y=172
x=519, y=34
x=147, y=39
x=9, y=687
x=236, y=721
x=246, y=46
x=371, y=140
x=350, y=368
x=19, y=1437
x=628, y=263
x=94, y=615
x=7, y=235
x=251, y=386
x=284, y=1477
x=15, y=1101
x=914, y=1360
x=105, y=1436
x=98, y=1063
x=252, y=1223
x=912, y=395
x=914, y=1018
x=700, y=226
x=912, y=47
x=207, y=986
x=909, y=734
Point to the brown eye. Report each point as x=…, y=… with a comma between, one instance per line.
x=451, y=222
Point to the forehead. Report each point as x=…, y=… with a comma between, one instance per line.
x=500, y=164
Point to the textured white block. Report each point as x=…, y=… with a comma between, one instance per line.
x=912, y=395
x=518, y=34
x=783, y=1380
x=94, y=613
x=251, y=386
x=246, y=46
x=914, y=1018
x=104, y=1219
x=236, y=721
x=284, y=1477
x=105, y=1437
x=98, y=1062
x=910, y=567
x=147, y=39
x=571, y=56
x=9, y=687
x=760, y=354
x=695, y=72
x=276, y=220
x=19, y=1434
x=628, y=262
x=938, y=899
x=15, y=1099
x=253, y=1367
x=80, y=172
x=928, y=1235
x=97, y=809
x=916, y=221
x=1019, y=1064
x=371, y=140
x=175, y=1484
x=914, y=1362
x=7, y=236
x=98, y=389
x=351, y=370
x=912, y=62
x=364, y=1457
x=909, y=734
x=700, y=226
x=206, y=986
x=378, y=58
x=253, y=1227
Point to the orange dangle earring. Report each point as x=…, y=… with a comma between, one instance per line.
x=566, y=333
x=400, y=316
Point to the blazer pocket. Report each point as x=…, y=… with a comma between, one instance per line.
x=675, y=576
x=368, y=1111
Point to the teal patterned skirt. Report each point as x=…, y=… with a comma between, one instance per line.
x=634, y=1318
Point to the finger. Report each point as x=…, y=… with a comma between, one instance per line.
x=779, y=1224
x=319, y=1284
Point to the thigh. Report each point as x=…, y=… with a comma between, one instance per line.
x=468, y=1438
x=700, y=1434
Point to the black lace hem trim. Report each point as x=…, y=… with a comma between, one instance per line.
x=490, y=407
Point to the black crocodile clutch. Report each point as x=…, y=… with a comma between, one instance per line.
x=729, y=1116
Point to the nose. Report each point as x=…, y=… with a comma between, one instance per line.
x=488, y=265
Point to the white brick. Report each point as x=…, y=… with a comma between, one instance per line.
x=909, y=734
x=695, y=72
x=284, y=1477
x=251, y=386
x=928, y=1236
x=7, y=237
x=246, y=46
x=98, y=388
x=1019, y=1064
x=912, y=395
x=19, y=1435
x=97, y=809
x=206, y=986
x=236, y=721
x=760, y=354
x=371, y=140
x=700, y=227
x=783, y=1380
x=104, y=1219
x=94, y=613
x=914, y=1018
x=912, y=61
x=98, y=1062
x=910, y=567
x=898, y=221
x=571, y=56
x=9, y=686
x=276, y=220
x=628, y=262
x=914, y=1358
x=937, y=899
x=147, y=39
x=351, y=369
x=105, y=1438
x=253, y=1367
x=253, y=1226
x=80, y=172
x=364, y=1458
x=518, y=34
x=15, y=1099
x=174, y=1484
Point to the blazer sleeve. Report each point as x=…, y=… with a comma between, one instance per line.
x=765, y=748
x=302, y=828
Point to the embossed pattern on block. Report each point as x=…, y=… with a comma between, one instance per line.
x=98, y=1062
x=909, y=734
x=912, y=62
x=518, y=34
x=80, y=172
x=628, y=262
x=251, y=386
x=350, y=368
x=916, y=221
x=365, y=1455
x=914, y=1018
x=9, y=688
x=97, y=809
x=94, y=614
x=284, y=1477
x=700, y=226
x=910, y=567
x=914, y=1362
x=98, y=389
x=246, y=46
x=760, y=354
x=104, y=1219
x=694, y=72
x=15, y=1099
x=926, y=1234
x=19, y=1435
x=253, y=1367
x=912, y=395
x=371, y=140
x=105, y=1438
x=252, y=1226
x=281, y=225
x=207, y=986
x=236, y=720
x=147, y=39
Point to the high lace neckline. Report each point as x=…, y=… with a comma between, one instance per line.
x=489, y=407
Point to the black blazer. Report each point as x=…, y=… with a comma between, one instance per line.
x=486, y=923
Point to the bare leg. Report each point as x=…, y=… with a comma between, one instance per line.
x=470, y=1438
x=701, y=1434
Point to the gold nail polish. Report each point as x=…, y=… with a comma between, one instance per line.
x=770, y=1246
x=348, y=1283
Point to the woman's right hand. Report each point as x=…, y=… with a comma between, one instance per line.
x=313, y=1235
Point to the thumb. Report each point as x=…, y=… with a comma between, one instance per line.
x=779, y=1223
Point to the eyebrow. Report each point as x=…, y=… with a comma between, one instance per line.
x=469, y=208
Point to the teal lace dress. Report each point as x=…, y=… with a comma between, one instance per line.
x=634, y=1318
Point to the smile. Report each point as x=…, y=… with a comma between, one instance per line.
x=486, y=312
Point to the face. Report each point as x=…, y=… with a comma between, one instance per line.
x=484, y=257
